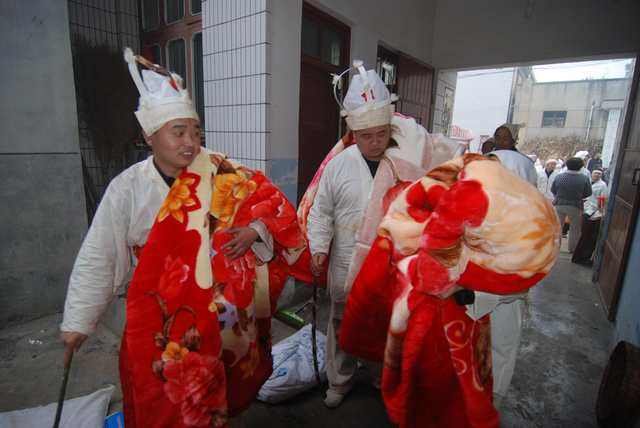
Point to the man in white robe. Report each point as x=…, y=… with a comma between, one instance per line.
x=131, y=203
x=506, y=311
x=342, y=221
x=338, y=210
x=584, y=155
x=546, y=177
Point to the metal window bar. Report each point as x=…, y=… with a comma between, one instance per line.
x=100, y=23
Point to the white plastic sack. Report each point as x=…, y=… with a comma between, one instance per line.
x=88, y=411
x=293, y=370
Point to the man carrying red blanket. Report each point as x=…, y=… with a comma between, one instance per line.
x=210, y=243
x=469, y=223
x=343, y=206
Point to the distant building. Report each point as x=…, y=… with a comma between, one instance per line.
x=588, y=110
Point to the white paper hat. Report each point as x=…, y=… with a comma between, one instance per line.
x=162, y=95
x=368, y=101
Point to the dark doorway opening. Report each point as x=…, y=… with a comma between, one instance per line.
x=325, y=50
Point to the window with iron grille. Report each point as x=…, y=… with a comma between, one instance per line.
x=196, y=7
x=387, y=68
x=150, y=14
x=554, y=119
x=198, y=79
x=321, y=41
x=176, y=61
x=174, y=10
x=110, y=140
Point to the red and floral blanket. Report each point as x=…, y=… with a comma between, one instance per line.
x=197, y=345
x=468, y=222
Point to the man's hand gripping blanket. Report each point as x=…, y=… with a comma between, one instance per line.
x=197, y=344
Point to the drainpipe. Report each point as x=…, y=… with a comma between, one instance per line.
x=586, y=137
x=512, y=95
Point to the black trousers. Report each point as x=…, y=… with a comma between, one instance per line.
x=588, y=240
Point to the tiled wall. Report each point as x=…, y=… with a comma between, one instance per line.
x=236, y=79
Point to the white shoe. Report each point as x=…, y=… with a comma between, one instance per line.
x=334, y=398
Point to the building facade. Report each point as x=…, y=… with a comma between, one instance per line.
x=267, y=72
x=587, y=111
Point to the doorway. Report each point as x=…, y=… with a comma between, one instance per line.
x=325, y=50
x=624, y=205
x=411, y=80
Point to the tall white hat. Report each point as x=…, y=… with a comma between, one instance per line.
x=368, y=101
x=162, y=95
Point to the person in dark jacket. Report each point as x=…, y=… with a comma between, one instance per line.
x=594, y=163
x=570, y=189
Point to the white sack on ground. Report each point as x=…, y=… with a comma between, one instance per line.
x=88, y=411
x=293, y=366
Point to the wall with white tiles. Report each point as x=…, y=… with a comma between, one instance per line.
x=252, y=70
x=237, y=79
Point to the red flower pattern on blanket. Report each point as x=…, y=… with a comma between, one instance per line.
x=239, y=274
x=197, y=384
x=180, y=198
x=172, y=279
x=193, y=355
x=468, y=222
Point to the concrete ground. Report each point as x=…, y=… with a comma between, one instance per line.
x=565, y=345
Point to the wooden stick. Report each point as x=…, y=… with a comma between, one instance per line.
x=314, y=345
x=63, y=390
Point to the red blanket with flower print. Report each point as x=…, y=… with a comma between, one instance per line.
x=197, y=345
x=468, y=222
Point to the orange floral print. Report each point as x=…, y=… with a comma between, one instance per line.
x=174, y=352
x=179, y=196
x=228, y=191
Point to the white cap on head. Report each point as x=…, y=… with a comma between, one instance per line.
x=162, y=96
x=368, y=101
x=582, y=154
